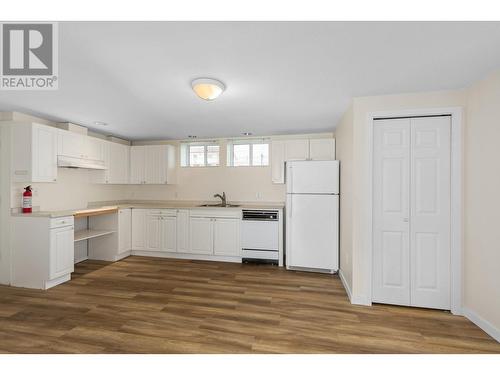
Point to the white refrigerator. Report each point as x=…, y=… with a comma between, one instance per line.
x=312, y=216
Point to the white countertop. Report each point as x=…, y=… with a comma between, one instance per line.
x=152, y=205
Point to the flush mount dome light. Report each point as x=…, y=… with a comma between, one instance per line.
x=208, y=88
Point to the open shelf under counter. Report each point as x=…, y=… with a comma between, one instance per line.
x=85, y=234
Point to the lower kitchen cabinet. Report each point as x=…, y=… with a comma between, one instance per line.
x=45, y=257
x=182, y=231
x=186, y=231
x=201, y=235
x=62, y=253
x=124, y=230
x=168, y=233
x=153, y=229
x=227, y=237
x=139, y=229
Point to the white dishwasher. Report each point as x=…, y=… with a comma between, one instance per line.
x=260, y=236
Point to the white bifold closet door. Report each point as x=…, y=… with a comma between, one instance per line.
x=411, y=211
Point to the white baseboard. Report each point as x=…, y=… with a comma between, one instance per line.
x=215, y=258
x=482, y=323
x=346, y=285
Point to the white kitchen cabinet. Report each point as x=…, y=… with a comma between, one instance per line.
x=62, y=251
x=201, y=235
x=322, y=149
x=45, y=258
x=182, y=231
x=298, y=149
x=278, y=162
x=33, y=153
x=71, y=144
x=93, y=148
x=117, y=161
x=124, y=230
x=139, y=229
x=227, y=237
x=153, y=232
x=137, y=164
x=152, y=164
x=168, y=232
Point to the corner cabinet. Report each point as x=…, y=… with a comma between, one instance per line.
x=298, y=149
x=33, y=153
x=152, y=164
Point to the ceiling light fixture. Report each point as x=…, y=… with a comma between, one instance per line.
x=100, y=123
x=192, y=136
x=208, y=88
x=246, y=133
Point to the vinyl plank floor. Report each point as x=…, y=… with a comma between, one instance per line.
x=152, y=305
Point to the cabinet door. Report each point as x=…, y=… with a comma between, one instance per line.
x=153, y=232
x=118, y=163
x=44, y=154
x=278, y=162
x=156, y=164
x=93, y=148
x=168, y=233
x=138, y=229
x=297, y=149
x=322, y=149
x=137, y=164
x=183, y=231
x=62, y=252
x=201, y=235
x=227, y=237
x=71, y=144
x=124, y=230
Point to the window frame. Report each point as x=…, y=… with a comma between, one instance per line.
x=230, y=151
x=185, y=161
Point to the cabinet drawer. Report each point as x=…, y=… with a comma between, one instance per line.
x=61, y=221
x=163, y=212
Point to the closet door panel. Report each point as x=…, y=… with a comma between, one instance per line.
x=430, y=212
x=391, y=172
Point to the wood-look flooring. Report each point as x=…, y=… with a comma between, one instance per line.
x=152, y=305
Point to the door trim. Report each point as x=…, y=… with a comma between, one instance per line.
x=456, y=213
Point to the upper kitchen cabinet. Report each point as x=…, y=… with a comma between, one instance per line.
x=117, y=162
x=322, y=149
x=34, y=153
x=80, y=146
x=152, y=164
x=298, y=149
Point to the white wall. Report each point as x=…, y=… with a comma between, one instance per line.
x=482, y=202
x=73, y=189
x=344, y=153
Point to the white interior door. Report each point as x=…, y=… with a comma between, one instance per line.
x=391, y=173
x=411, y=212
x=430, y=212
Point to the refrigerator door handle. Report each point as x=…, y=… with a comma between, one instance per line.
x=291, y=205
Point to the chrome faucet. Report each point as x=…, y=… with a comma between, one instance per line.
x=222, y=197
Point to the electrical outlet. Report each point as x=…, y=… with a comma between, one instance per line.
x=258, y=195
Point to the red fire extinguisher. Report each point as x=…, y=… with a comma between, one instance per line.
x=27, y=196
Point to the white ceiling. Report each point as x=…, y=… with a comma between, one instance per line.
x=281, y=77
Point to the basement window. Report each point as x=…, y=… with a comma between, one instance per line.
x=248, y=153
x=200, y=154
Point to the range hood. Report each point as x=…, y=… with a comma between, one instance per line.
x=71, y=162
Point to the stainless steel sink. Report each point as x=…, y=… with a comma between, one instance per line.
x=219, y=205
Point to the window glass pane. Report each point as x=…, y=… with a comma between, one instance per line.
x=260, y=154
x=241, y=155
x=212, y=155
x=197, y=156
